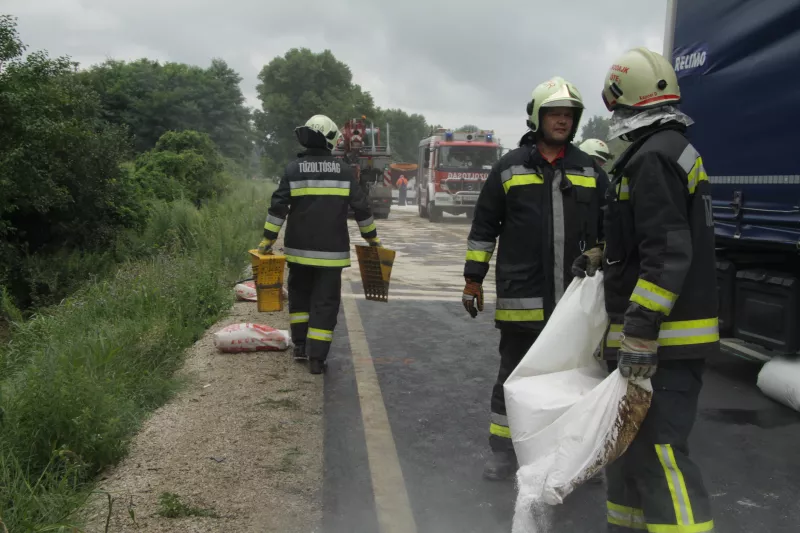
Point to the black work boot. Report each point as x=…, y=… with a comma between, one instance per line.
x=300, y=352
x=501, y=465
x=317, y=366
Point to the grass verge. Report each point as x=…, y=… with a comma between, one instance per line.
x=76, y=380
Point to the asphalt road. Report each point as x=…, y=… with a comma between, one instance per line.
x=407, y=412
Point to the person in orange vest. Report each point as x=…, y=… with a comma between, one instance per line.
x=402, y=187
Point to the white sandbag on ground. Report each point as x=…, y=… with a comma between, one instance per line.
x=246, y=291
x=568, y=417
x=779, y=379
x=251, y=338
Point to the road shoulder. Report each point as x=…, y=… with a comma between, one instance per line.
x=242, y=440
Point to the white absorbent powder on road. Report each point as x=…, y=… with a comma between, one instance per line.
x=531, y=514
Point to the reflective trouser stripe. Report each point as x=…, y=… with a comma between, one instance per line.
x=653, y=297
x=500, y=420
x=315, y=258
x=704, y=527
x=679, y=333
x=677, y=485
x=298, y=318
x=622, y=516
x=325, y=335
x=499, y=431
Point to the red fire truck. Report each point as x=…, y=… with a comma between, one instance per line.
x=360, y=146
x=453, y=166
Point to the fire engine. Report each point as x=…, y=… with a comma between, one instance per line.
x=360, y=147
x=453, y=167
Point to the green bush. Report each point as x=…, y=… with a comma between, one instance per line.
x=78, y=378
x=183, y=164
x=62, y=185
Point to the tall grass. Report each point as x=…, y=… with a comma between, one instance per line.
x=76, y=380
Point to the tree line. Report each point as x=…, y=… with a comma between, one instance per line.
x=86, y=154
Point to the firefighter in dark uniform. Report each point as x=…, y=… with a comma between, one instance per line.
x=542, y=200
x=315, y=192
x=660, y=293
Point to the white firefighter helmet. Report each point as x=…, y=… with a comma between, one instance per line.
x=596, y=148
x=322, y=125
x=640, y=79
x=555, y=92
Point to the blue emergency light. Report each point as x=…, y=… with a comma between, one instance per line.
x=448, y=135
x=488, y=137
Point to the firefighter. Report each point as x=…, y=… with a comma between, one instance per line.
x=316, y=191
x=543, y=201
x=598, y=150
x=402, y=189
x=659, y=279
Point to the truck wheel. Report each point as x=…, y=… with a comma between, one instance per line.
x=423, y=211
x=435, y=213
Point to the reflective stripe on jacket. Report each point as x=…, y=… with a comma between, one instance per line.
x=315, y=193
x=544, y=216
x=659, y=262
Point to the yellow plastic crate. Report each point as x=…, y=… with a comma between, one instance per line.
x=375, y=265
x=268, y=274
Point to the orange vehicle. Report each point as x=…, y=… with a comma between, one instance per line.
x=453, y=169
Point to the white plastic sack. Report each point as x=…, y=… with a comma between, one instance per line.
x=246, y=291
x=251, y=338
x=568, y=417
x=779, y=379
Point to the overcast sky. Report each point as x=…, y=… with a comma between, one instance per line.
x=454, y=61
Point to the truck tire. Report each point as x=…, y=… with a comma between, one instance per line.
x=434, y=213
x=423, y=210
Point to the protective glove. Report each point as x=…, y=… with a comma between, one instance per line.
x=588, y=263
x=265, y=246
x=637, y=358
x=473, y=291
x=375, y=241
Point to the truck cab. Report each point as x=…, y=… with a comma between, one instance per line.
x=453, y=167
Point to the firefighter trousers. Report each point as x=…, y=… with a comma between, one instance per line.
x=654, y=486
x=315, y=294
x=514, y=344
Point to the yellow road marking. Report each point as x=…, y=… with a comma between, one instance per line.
x=388, y=486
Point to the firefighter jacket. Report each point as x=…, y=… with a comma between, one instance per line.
x=659, y=266
x=315, y=193
x=544, y=216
